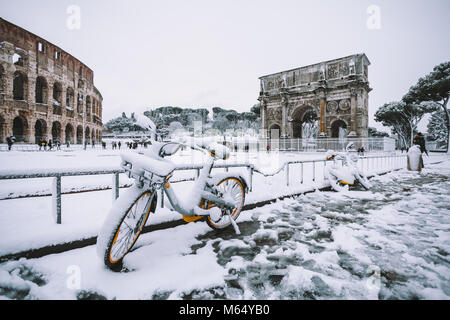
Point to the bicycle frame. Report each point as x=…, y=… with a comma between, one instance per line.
x=347, y=172
x=204, y=188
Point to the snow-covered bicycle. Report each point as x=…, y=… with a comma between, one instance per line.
x=346, y=173
x=218, y=199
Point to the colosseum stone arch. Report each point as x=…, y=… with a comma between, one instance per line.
x=45, y=92
x=337, y=90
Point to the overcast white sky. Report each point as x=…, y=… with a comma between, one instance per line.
x=147, y=54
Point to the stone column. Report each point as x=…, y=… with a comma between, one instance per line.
x=9, y=125
x=284, y=111
x=48, y=96
x=30, y=91
x=8, y=84
x=9, y=67
x=4, y=130
x=263, y=113
x=63, y=98
x=29, y=130
x=352, y=112
x=322, y=104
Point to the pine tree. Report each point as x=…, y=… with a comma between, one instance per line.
x=437, y=130
x=434, y=87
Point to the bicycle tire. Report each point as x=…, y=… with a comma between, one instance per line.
x=107, y=240
x=239, y=201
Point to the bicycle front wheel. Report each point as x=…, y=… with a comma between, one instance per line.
x=232, y=190
x=120, y=236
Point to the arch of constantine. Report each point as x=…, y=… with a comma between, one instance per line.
x=336, y=91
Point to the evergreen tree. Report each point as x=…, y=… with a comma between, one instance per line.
x=434, y=87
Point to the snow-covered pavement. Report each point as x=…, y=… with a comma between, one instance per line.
x=390, y=242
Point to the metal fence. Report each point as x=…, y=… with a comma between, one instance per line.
x=35, y=147
x=251, y=144
x=323, y=144
x=388, y=163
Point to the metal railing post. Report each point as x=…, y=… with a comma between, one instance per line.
x=56, y=199
x=287, y=173
x=115, y=186
x=250, y=178
x=314, y=171
x=301, y=181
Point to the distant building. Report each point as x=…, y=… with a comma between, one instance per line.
x=337, y=90
x=44, y=91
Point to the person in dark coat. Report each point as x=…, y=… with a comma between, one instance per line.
x=419, y=139
x=10, y=141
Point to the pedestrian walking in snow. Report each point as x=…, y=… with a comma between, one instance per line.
x=10, y=141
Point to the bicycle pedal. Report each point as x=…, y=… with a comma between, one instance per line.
x=191, y=218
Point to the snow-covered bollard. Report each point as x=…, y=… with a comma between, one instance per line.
x=414, y=159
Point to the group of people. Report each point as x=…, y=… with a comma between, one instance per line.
x=115, y=145
x=43, y=143
x=118, y=144
x=132, y=145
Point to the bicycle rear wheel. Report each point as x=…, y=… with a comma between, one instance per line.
x=232, y=190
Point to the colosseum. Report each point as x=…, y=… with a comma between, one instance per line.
x=45, y=93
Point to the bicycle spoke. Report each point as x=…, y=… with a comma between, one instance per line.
x=123, y=244
x=231, y=190
x=128, y=226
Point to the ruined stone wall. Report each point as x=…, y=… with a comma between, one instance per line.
x=47, y=90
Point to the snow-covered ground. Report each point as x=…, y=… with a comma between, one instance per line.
x=83, y=213
x=31, y=220
x=390, y=242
